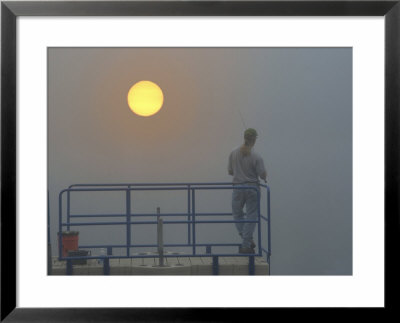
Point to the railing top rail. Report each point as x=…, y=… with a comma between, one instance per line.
x=202, y=186
x=151, y=184
x=154, y=184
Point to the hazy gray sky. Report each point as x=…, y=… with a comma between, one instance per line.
x=298, y=99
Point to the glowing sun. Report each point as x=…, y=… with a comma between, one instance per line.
x=145, y=98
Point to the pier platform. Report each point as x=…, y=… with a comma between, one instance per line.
x=172, y=266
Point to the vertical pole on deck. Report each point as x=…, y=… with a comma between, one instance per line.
x=188, y=217
x=128, y=221
x=160, y=241
x=193, y=221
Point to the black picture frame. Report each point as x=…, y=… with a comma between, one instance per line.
x=11, y=10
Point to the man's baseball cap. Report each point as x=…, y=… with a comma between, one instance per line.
x=250, y=133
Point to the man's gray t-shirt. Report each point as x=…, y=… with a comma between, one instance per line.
x=245, y=168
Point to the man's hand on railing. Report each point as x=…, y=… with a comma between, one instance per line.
x=263, y=176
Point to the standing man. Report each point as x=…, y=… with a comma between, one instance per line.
x=246, y=167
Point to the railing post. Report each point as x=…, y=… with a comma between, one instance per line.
x=128, y=221
x=160, y=242
x=194, y=219
x=59, y=225
x=188, y=217
x=68, y=209
x=259, y=219
x=269, y=264
x=269, y=229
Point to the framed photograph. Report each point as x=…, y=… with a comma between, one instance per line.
x=161, y=159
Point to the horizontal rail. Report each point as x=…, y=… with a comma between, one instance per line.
x=151, y=184
x=158, y=184
x=147, y=214
x=155, y=222
x=166, y=245
x=111, y=189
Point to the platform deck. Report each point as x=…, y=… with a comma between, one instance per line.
x=172, y=266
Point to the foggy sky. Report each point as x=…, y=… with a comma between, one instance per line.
x=298, y=99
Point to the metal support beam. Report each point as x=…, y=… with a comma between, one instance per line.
x=251, y=265
x=106, y=266
x=69, y=268
x=215, y=265
x=160, y=242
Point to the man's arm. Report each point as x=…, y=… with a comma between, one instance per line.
x=261, y=169
x=230, y=168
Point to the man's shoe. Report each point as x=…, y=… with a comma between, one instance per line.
x=252, y=245
x=246, y=250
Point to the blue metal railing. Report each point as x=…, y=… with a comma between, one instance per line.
x=191, y=220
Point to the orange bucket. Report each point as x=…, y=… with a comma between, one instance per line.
x=70, y=241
